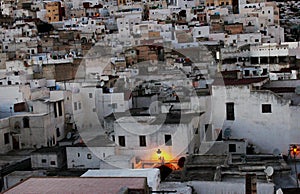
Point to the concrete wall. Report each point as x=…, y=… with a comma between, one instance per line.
x=41, y=131
x=60, y=72
x=107, y=103
x=265, y=130
x=8, y=96
x=269, y=50
x=36, y=160
x=118, y=163
x=77, y=157
x=182, y=136
x=202, y=31
x=222, y=147
x=229, y=188
x=4, y=129
x=14, y=178
x=159, y=14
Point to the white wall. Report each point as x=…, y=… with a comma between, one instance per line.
x=269, y=50
x=201, y=31
x=186, y=3
x=107, y=103
x=132, y=127
x=36, y=160
x=229, y=188
x=159, y=14
x=77, y=157
x=9, y=95
x=265, y=130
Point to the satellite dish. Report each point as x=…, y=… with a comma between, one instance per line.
x=269, y=171
x=101, y=83
x=69, y=135
x=227, y=133
x=276, y=152
x=75, y=90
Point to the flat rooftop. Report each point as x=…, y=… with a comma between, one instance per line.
x=77, y=185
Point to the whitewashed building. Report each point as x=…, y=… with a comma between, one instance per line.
x=146, y=136
x=90, y=155
x=262, y=117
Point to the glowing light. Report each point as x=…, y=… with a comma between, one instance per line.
x=294, y=149
x=158, y=152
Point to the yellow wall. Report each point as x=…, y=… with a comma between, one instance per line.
x=218, y=2
x=53, y=9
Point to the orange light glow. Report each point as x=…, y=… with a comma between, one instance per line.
x=294, y=149
x=162, y=154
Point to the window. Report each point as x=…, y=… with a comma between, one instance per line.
x=122, y=141
x=90, y=95
x=60, y=108
x=89, y=156
x=199, y=32
x=6, y=138
x=44, y=160
x=230, y=111
x=78, y=155
x=168, y=140
x=256, y=40
x=57, y=132
x=79, y=105
x=75, y=105
x=206, y=128
x=55, y=110
x=247, y=72
x=143, y=141
x=232, y=148
x=26, y=122
x=114, y=105
x=266, y=108
x=53, y=163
